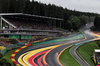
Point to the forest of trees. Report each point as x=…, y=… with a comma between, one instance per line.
x=96, y=26
x=72, y=19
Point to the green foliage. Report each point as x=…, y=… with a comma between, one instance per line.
x=87, y=51
x=92, y=28
x=83, y=19
x=69, y=24
x=3, y=62
x=50, y=10
x=98, y=43
x=74, y=22
x=7, y=56
x=91, y=19
x=97, y=23
x=12, y=6
x=1, y=56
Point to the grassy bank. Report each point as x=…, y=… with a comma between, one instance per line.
x=87, y=50
x=67, y=60
x=7, y=56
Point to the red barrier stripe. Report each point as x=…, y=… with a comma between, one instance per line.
x=14, y=52
x=28, y=45
x=31, y=42
x=48, y=37
x=20, y=48
x=41, y=40
x=12, y=57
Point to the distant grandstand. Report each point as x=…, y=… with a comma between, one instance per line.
x=26, y=26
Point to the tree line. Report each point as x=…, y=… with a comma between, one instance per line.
x=96, y=26
x=72, y=19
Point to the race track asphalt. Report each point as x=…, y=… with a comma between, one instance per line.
x=52, y=60
x=51, y=57
x=33, y=47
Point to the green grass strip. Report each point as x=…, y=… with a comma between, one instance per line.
x=87, y=50
x=67, y=60
x=7, y=56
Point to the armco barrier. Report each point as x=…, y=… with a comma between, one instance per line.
x=4, y=51
x=19, y=45
x=10, y=48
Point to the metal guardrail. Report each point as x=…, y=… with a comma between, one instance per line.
x=11, y=47
x=30, y=30
x=26, y=34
